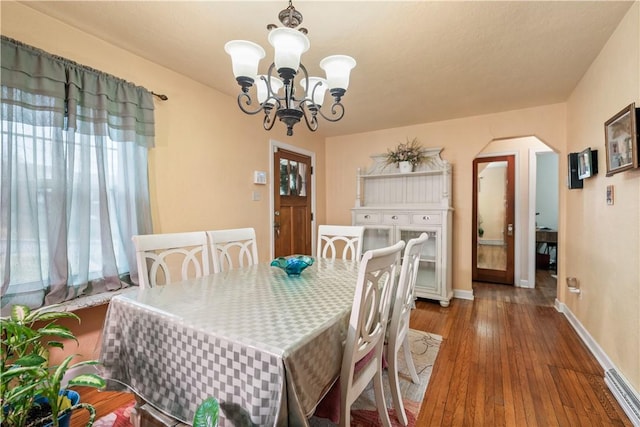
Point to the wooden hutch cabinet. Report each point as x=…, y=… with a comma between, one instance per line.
x=396, y=206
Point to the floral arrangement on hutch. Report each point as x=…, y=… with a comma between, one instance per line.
x=406, y=155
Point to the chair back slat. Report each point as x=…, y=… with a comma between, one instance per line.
x=160, y=255
x=340, y=240
x=404, y=298
x=233, y=248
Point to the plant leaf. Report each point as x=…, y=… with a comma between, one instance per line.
x=56, y=344
x=15, y=371
x=35, y=314
x=19, y=313
x=52, y=330
x=55, y=315
x=30, y=360
x=88, y=380
x=207, y=413
x=56, y=378
x=21, y=392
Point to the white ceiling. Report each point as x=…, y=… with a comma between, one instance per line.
x=418, y=61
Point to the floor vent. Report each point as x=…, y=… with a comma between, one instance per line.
x=624, y=395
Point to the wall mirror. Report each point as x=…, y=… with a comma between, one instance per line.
x=493, y=248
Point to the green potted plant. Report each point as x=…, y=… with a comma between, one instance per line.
x=406, y=155
x=32, y=392
x=207, y=413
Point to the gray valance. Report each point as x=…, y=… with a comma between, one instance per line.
x=78, y=96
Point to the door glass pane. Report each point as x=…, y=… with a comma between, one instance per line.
x=293, y=178
x=302, y=180
x=284, y=177
x=492, y=211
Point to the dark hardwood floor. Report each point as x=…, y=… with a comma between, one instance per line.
x=508, y=359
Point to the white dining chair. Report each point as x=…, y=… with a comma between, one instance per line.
x=398, y=328
x=158, y=255
x=332, y=238
x=237, y=244
x=362, y=359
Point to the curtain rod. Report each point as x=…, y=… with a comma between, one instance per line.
x=161, y=96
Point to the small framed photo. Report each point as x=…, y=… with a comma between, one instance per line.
x=587, y=163
x=621, y=141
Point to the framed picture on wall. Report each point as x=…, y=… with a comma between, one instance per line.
x=621, y=140
x=587, y=163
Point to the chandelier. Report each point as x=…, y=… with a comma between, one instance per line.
x=276, y=95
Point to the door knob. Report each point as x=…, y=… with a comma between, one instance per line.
x=510, y=229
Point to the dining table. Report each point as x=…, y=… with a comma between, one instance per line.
x=267, y=345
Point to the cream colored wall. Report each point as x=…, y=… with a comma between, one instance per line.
x=201, y=170
x=603, y=241
x=462, y=139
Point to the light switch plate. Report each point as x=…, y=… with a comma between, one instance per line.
x=259, y=177
x=610, y=194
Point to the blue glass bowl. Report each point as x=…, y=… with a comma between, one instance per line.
x=293, y=265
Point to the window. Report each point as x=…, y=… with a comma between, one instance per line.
x=74, y=189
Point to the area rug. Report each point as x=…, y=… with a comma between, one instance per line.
x=117, y=418
x=424, y=348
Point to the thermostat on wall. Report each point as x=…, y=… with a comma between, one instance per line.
x=259, y=177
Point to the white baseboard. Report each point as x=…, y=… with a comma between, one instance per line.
x=523, y=284
x=626, y=395
x=588, y=340
x=462, y=294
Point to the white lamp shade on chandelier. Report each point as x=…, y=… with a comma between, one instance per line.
x=263, y=91
x=337, y=69
x=316, y=89
x=245, y=57
x=289, y=44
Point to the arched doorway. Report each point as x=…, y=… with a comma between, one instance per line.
x=531, y=188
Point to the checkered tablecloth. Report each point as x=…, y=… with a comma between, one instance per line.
x=265, y=344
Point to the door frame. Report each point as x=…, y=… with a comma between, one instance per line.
x=533, y=173
x=273, y=147
x=517, y=238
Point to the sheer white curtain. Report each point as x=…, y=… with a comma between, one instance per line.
x=74, y=188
